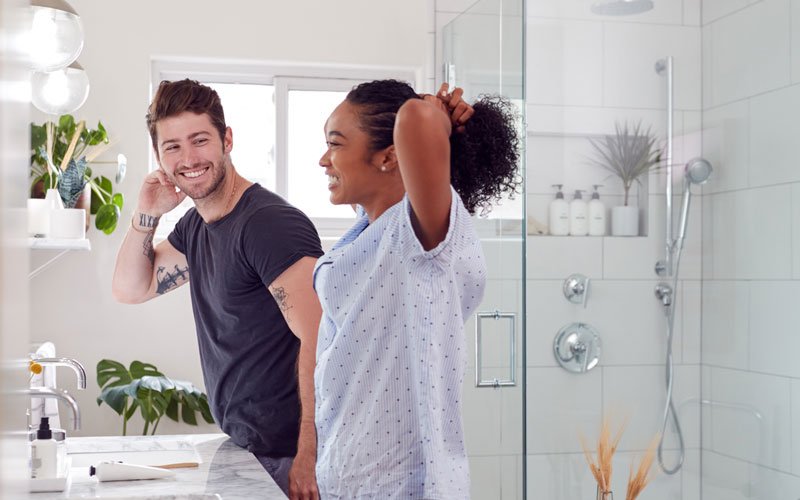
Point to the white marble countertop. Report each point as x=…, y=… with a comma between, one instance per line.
x=227, y=472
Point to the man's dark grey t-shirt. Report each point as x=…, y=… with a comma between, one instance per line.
x=247, y=351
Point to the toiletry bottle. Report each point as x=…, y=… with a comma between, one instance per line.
x=559, y=214
x=578, y=220
x=597, y=214
x=44, y=453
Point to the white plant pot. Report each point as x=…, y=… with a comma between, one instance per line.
x=625, y=221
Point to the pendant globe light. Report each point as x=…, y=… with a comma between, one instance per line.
x=61, y=91
x=56, y=34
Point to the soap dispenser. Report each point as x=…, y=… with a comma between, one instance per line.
x=44, y=452
x=578, y=220
x=597, y=214
x=559, y=214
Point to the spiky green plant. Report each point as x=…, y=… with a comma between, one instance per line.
x=628, y=154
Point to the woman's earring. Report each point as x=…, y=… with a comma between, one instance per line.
x=383, y=168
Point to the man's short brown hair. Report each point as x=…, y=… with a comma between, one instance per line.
x=174, y=98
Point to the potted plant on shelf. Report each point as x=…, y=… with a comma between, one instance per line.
x=145, y=388
x=629, y=154
x=60, y=157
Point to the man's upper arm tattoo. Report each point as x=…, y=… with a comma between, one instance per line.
x=281, y=297
x=167, y=280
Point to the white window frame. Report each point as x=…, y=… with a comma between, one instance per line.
x=283, y=76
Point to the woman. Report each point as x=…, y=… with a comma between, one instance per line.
x=397, y=288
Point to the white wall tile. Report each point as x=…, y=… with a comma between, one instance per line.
x=796, y=231
x=661, y=487
x=559, y=477
x=752, y=234
x=688, y=136
x=766, y=483
x=565, y=61
x=726, y=320
x=548, y=311
x=567, y=161
x=715, y=9
x=556, y=257
x=691, y=475
x=705, y=409
x=796, y=427
x=725, y=478
x=737, y=432
x=774, y=129
x=692, y=12
x=503, y=258
x=748, y=52
x=726, y=144
x=453, y=5
x=482, y=417
x=636, y=393
x=795, y=40
x=562, y=405
x=630, y=52
x=511, y=477
x=630, y=321
x=774, y=316
x=573, y=120
x=485, y=476
x=691, y=301
x=668, y=12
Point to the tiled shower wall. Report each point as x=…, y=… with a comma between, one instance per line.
x=751, y=239
x=584, y=73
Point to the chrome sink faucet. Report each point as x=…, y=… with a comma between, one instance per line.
x=49, y=392
x=75, y=365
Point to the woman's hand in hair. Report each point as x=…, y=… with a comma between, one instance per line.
x=458, y=109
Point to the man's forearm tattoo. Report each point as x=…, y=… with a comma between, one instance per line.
x=281, y=297
x=167, y=280
x=147, y=247
x=148, y=220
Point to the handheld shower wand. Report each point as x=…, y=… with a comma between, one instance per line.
x=697, y=171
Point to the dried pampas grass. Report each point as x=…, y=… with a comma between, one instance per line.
x=642, y=478
x=606, y=446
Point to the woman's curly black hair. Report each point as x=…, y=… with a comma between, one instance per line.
x=483, y=158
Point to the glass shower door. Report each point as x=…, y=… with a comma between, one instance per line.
x=483, y=53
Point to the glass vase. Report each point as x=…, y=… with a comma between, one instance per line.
x=604, y=495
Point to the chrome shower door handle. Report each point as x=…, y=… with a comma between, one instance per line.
x=510, y=379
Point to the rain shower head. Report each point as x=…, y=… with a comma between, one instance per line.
x=698, y=170
x=621, y=7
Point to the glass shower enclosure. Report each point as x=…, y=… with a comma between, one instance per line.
x=483, y=53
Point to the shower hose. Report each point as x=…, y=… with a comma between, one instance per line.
x=669, y=406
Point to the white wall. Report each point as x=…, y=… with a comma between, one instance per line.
x=585, y=72
x=751, y=233
x=13, y=253
x=72, y=303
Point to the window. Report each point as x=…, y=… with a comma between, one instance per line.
x=277, y=114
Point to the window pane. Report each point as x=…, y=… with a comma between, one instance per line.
x=250, y=113
x=308, y=184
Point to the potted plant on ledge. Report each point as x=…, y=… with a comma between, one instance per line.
x=628, y=154
x=60, y=157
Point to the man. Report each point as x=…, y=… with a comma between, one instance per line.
x=250, y=257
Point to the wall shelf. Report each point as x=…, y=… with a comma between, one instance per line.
x=62, y=245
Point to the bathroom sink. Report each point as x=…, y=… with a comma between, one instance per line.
x=174, y=453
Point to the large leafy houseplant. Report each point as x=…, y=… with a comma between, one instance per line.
x=628, y=154
x=145, y=388
x=60, y=156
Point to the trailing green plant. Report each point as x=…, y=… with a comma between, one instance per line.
x=628, y=154
x=142, y=387
x=60, y=157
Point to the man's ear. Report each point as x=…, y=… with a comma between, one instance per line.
x=227, y=140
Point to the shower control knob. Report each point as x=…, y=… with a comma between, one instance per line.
x=664, y=294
